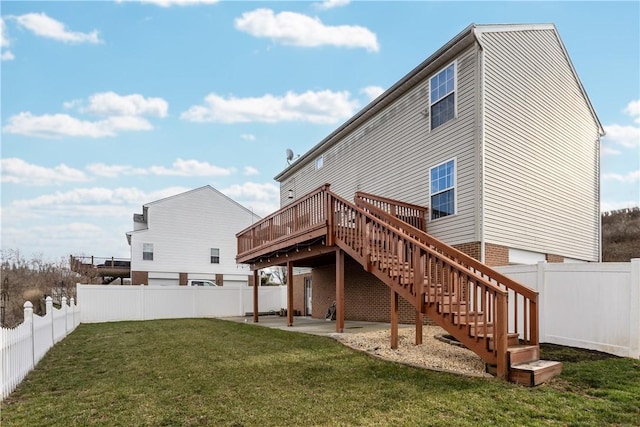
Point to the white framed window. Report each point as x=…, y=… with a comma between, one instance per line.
x=319, y=162
x=147, y=251
x=443, y=189
x=215, y=256
x=442, y=96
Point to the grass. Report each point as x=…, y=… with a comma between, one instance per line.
x=202, y=372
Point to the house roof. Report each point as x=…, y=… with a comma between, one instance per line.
x=136, y=217
x=465, y=38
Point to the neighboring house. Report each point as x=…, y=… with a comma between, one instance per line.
x=188, y=236
x=494, y=133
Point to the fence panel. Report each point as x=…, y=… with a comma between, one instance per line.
x=119, y=303
x=594, y=306
x=17, y=355
x=24, y=346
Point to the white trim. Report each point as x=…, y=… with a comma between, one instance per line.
x=455, y=92
x=319, y=163
x=454, y=187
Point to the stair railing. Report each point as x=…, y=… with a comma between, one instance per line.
x=428, y=279
x=523, y=318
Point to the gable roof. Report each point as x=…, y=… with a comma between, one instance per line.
x=461, y=41
x=203, y=188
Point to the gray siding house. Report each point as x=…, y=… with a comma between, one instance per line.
x=494, y=133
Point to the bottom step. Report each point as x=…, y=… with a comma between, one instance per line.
x=534, y=373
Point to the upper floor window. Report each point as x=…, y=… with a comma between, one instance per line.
x=443, y=189
x=147, y=251
x=319, y=162
x=215, y=256
x=442, y=96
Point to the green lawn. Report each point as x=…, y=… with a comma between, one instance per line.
x=210, y=372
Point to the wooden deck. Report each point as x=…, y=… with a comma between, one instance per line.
x=489, y=313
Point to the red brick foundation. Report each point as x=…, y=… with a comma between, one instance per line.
x=365, y=297
x=554, y=258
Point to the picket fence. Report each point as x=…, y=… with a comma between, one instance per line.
x=25, y=345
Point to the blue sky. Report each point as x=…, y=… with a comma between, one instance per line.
x=107, y=105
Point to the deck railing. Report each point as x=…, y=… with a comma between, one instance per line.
x=411, y=214
x=303, y=215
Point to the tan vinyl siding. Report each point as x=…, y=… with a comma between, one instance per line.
x=390, y=155
x=541, y=148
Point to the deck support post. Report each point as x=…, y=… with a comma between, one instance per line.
x=256, y=283
x=419, y=320
x=339, y=291
x=418, y=288
x=394, y=319
x=289, y=293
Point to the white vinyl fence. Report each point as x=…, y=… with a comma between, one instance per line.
x=594, y=305
x=117, y=303
x=22, y=347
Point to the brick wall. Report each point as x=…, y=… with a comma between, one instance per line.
x=365, y=297
x=472, y=249
x=495, y=255
x=139, y=277
x=298, y=293
x=554, y=258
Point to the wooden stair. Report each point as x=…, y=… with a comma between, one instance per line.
x=457, y=316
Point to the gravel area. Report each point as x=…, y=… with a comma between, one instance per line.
x=431, y=354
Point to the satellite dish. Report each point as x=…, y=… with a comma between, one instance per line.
x=289, y=156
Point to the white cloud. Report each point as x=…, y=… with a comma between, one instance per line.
x=262, y=198
x=122, y=113
x=315, y=107
x=113, y=171
x=626, y=136
x=630, y=177
x=112, y=104
x=250, y=170
x=372, y=92
x=295, y=29
x=7, y=56
x=4, y=41
x=248, y=137
x=42, y=25
x=58, y=125
x=633, y=109
x=330, y=4
x=605, y=150
x=17, y=171
x=169, y=3
x=191, y=168
x=95, y=201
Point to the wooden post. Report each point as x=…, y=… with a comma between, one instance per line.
x=289, y=293
x=394, y=319
x=418, y=288
x=500, y=334
x=256, y=283
x=339, y=290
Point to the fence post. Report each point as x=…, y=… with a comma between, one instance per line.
x=49, y=312
x=64, y=312
x=541, y=282
x=72, y=304
x=634, y=306
x=28, y=318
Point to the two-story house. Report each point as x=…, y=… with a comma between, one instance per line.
x=188, y=236
x=494, y=133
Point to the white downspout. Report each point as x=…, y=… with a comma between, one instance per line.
x=482, y=148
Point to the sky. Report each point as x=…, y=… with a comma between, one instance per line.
x=109, y=105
